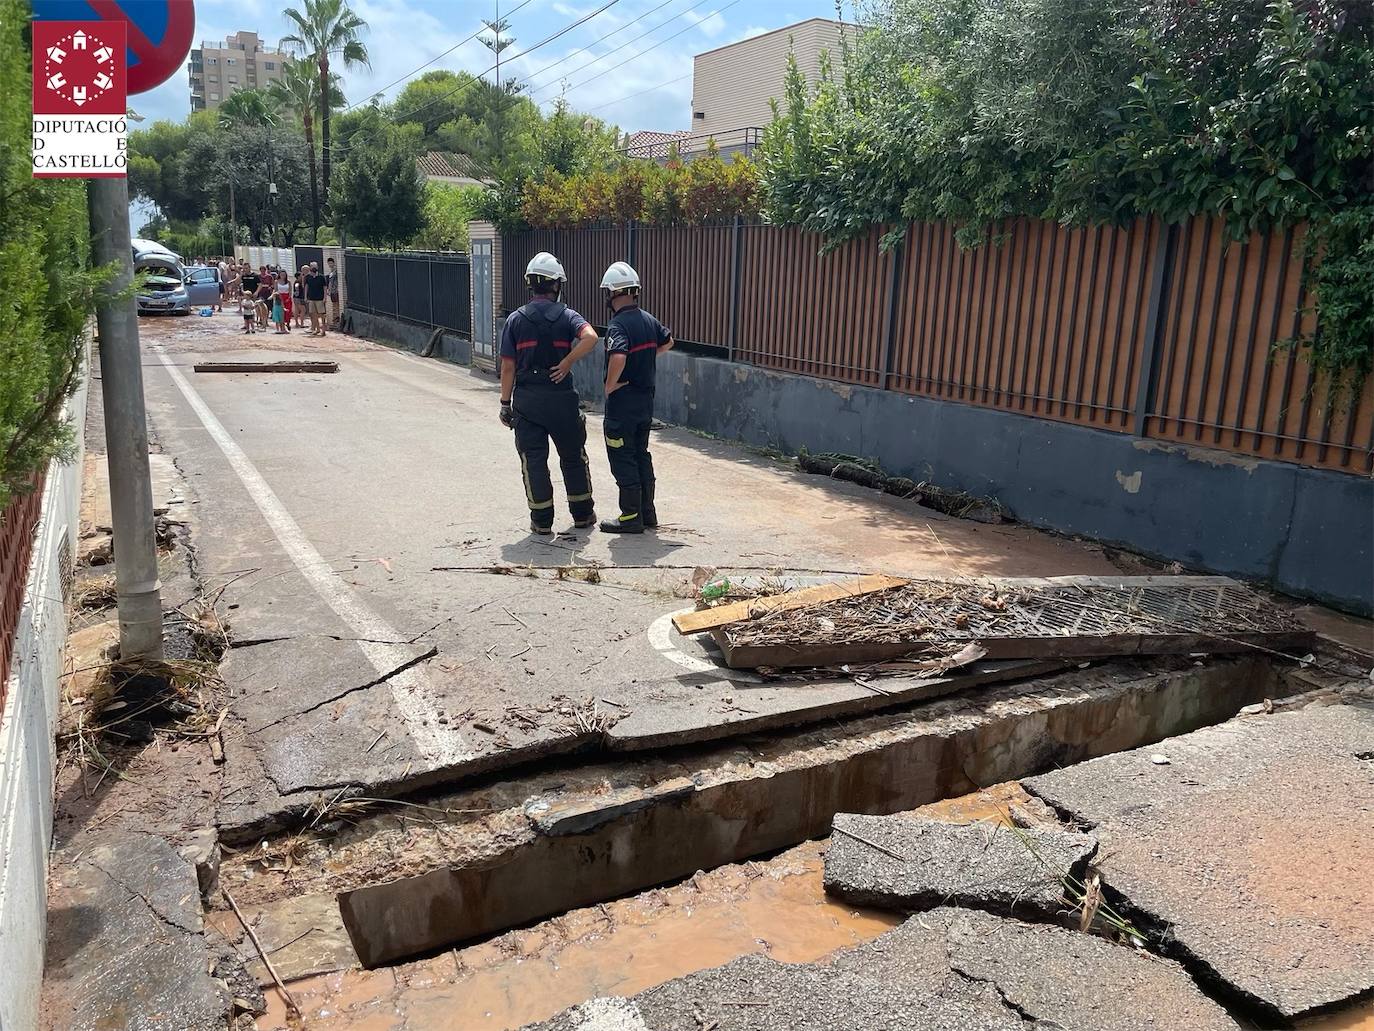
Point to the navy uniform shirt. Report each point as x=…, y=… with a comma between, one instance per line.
x=637, y=335
x=537, y=344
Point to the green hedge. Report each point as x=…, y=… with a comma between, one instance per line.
x=976, y=111
x=46, y=286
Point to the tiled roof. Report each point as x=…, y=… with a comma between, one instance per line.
x=650, y=143
x=451, y=166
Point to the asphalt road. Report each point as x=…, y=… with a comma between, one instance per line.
x=394, y=621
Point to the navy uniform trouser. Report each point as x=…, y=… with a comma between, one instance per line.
x=542, y=415
x=628, y=415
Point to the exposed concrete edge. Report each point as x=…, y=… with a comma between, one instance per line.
x=631, y=735
x=27, y=727
x=451, y=347
x=761, y=795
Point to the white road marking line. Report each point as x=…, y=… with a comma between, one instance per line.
x=660, y=638
x=409, y=687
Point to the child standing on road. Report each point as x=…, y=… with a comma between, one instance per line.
x=281, y=303
x=248, y=308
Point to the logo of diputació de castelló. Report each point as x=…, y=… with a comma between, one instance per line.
x=80, y=83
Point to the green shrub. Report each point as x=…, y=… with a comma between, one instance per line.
x=46, y=288
x=701, y=191
x=974, y=111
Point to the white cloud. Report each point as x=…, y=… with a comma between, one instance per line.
x=712, y=24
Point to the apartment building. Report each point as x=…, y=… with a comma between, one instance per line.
x=218, y=68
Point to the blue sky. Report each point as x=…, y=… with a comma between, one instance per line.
x=638, y=93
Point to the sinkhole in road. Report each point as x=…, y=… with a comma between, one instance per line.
x=464, y=865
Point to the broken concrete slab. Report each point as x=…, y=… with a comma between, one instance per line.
x=126, y=943
x=1245, y=852
x=755, y=993
x=487, y=865
x=304, y=935
x=1049, y=975
x=912, y=863
x=751, y=708
x=947, y=969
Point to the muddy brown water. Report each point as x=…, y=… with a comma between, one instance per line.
x=1358, y=1018
x=778, y=907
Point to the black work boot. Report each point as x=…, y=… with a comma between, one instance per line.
x=630, y=520
x=623, y=524
x=543, y=531
x=586, y=521
x=647, y=512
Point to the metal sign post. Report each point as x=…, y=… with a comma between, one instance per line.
x=157, y=34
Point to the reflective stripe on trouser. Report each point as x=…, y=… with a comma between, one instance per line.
x=541, y=416
x=627, y=448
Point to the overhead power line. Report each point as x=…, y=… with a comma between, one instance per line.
x=415, y=71
x=582, y=50
x=638, y=93
x=648, y=32
x=669, y=39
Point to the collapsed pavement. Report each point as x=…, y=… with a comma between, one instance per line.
x=948, y=968
x=355, y=833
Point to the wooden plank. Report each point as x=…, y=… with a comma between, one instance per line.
x=793, y=656
x=752, y=608
x=266, y=367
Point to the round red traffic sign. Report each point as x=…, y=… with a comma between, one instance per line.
x=159, y=32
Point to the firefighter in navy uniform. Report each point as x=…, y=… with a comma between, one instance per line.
x=540, y=343
x=634, y=339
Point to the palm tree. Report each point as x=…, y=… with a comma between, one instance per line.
x=323, y=29
x=298, y=90
x=246, y=107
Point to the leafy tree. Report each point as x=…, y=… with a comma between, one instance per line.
x=461, y=113
x=249, y=157
x=246, y=107
x=298, y=91
x=327, y=29
x=378, y=195
x=570, y=143
x=446, y=210
x=157, y=167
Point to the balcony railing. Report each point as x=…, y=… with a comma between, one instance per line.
x=729, y=142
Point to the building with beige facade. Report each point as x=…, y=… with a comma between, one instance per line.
x=218, y=68
x=733, y=85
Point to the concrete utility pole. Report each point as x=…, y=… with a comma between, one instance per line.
x=126, y=428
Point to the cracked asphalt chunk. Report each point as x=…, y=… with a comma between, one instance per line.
x=1047, y=974
x=1248, y=855
x=946, y=970
x=126, y=943
x=983, y=865
x=275, y=681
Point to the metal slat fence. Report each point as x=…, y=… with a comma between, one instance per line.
x=1169, y=332
x=427, y=288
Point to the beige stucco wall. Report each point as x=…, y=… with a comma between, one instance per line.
x=733, y=84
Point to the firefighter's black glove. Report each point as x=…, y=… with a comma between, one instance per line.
x=507, y=416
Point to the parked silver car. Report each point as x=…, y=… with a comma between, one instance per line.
x=168, y=287
x=164, y=286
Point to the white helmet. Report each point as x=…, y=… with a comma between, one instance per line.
x=620, y=276
x=545, y=266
